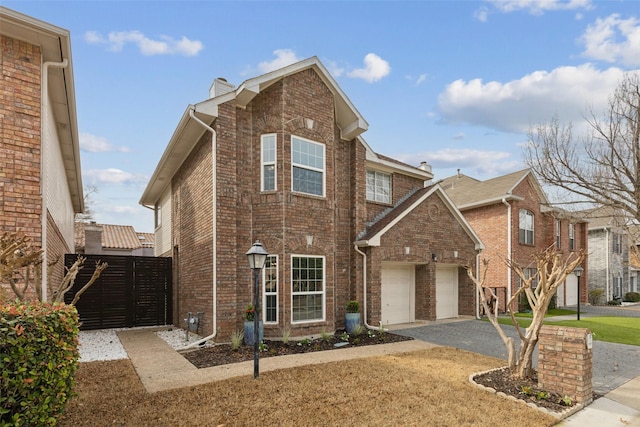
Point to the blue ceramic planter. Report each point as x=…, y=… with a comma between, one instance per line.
x=351, y=322
x=248, y=332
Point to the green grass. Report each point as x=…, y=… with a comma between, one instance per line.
x=620, y=330
x=552, y=312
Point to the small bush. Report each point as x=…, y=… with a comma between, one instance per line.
x=614, y=302
x=38, y=361
x=595, y=296
x=632, y=297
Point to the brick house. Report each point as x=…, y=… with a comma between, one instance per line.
x=511, y=214
x=610, y=266
x=281, y=159
x=40, y=180
x=112, y=239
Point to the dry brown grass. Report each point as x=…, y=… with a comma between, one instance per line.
x=424, y=388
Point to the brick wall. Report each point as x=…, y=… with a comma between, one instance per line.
x=565, y=362
x=20, y=100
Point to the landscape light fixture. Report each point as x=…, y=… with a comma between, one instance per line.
x=257, y=256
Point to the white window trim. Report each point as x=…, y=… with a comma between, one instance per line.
x=558, y=235
x=572, y=240
x=323, y=170
x=375, y=187
x=324, y=289
x=527, y=212
x=276, y=293
x=263, y=163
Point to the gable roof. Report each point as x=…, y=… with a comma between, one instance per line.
x=190, y=128
x=373, y=234
x=113, y=236
x=603, y=217
x=387, y=164
x=468, y=193
x=55, y=46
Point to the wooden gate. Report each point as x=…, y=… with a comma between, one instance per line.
x=132, y=291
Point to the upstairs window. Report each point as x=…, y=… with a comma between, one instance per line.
x=308, y=166
x=617, y=243
x=572, y=244
x=526, y=227
x=268, y=162
x=378, y=187
x=558, y=228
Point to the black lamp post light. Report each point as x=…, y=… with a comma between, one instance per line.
x=578, y=272
x=257, y=256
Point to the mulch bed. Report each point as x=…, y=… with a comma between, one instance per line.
x=224, y=354
x=524, y=389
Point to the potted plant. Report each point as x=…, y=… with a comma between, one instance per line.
x=352, y=316
x=249, y=317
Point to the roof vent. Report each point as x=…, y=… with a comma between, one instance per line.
x=219, y=87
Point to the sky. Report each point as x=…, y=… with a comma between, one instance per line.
x=458, y=84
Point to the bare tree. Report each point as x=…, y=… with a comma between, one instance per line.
x=87, y=215
x=601, y=168
x=552, y=270
x=21, y=267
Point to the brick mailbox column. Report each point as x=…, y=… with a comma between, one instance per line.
x=565, y=362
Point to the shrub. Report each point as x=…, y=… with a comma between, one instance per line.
x=632, y=297
x=353, y=307
x=614, y=302
x=595, y=296
x=38, y=361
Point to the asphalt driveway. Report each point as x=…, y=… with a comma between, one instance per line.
x=613, y=364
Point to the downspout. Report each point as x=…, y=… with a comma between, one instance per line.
x=214, y=231
x=477, y=291
x=364, y=289
x=44, y=123
x=509, y=246
x=606, y=269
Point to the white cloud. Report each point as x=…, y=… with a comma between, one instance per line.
x=374, y=69
x=283, y=58
x=98, y=144
x=613, y=39
x=421, y=79
x=515, y=106
x=112, y=176
x=476, y=162
x=459, y=136
x=165, y=45
x=482, y=14
x=538, y=7
x=334, y=68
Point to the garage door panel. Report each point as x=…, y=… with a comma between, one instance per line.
x=397, y=294
x=446, y=292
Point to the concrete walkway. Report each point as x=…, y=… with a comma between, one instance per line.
x=160, y=367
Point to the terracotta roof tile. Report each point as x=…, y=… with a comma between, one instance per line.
x=113, y=236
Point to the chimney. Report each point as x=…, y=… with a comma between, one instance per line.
x=425, y=166
x=219, y=87
x=92, y=239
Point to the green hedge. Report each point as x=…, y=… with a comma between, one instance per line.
x=632, y=297
x=38, y=361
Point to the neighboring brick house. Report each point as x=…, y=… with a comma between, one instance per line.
x=40, y=180
x=609, y=254
x=511, y=215
x=110, y=239
x=281, y=159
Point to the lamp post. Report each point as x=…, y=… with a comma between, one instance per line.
x=578, y=272
x=257, y=256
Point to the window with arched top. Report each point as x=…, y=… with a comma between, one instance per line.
x=526, y=227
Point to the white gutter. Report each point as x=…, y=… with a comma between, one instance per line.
x=44, y=123
x=214, y=232
x=477, y=291
x=509, y=243
x=364, y=289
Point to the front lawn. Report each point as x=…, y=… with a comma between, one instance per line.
x=620, y=330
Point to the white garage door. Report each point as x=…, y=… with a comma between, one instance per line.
x=571, y=290
x=398, y=284
x=446, y=292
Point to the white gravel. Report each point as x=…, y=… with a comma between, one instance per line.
x=104, y=344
